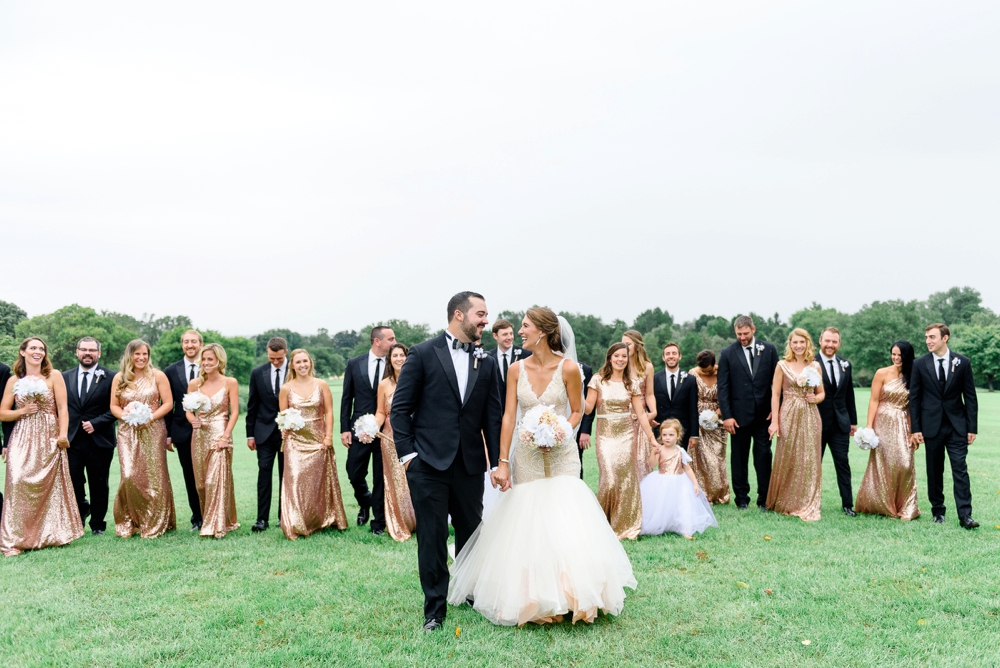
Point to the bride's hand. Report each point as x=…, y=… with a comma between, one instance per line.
x=501, y=477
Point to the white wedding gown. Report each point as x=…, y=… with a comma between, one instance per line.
x=546, y=550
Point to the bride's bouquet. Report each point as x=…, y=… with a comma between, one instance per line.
x=29, y=388
x=137, y=414
x=809, y=377
x=366, y=428
x=708, y=419
x=543, y=428
x=866, y=438
x=196, y=401
x=290, y=419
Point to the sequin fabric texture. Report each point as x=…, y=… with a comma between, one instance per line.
x=213, y=468
x=618, y=489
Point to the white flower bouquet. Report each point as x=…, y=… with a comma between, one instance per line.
x=137, y=414
x=27, y=387
x=708, y=419
x=543, y=428
x=809, y=377
x=290, y=419
x=866, y=438
x=196, y=401
x=366, y=428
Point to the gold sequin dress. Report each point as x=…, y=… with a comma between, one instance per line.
x=145, y=501
x=614, y=443
x=546, y=551
x=797, y=474
x=40, y=509
x=890, y=483
x=709, y=453
x=400, y=519
x=310, y=489
x=213, y=468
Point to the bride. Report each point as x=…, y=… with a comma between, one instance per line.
x=546, y=550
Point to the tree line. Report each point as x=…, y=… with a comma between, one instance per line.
x=867, y=334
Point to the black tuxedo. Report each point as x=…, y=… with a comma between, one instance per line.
x=8, y=427
x=516, y=354
x=682, y=406
x=262, y=409
x=746, y=396
x=430, y=418
x=945, y=414
x=360, y=398
x=587, y=421
x=90, y=455
x=839, y=413
x=179, y=430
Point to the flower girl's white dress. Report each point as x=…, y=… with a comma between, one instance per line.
x=546, y=550
x=668, y=500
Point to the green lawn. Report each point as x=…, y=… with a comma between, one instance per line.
x=868, y=591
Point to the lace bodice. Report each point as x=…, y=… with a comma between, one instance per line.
x=528, y=464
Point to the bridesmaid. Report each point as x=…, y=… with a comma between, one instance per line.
x=617, y=399
x=399, y=516
x=708, y=451
x=310, y=489
x=212, y=442
x=642, y=374
x=797, y=471
x=890, y=483
x=145, y=501
x=41, y=509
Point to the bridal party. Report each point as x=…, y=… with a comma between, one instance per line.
x=485, y=444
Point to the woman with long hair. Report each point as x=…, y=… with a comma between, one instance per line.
x=890, y=483
x=41, y=509
x=708, y=451
x=642, y=376
x=212, y=442
x=145, y=501
x=310, y=489
x=797, y=473
x=399, y=516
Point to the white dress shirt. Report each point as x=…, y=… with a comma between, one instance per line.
x=460, y=359
x=748, y=352
x=187, y=369
x=80, y=387
x=836, y=367
x=279, y=373
x=510, y=360
x=947, y=363
x=372, y=360
x=676, y=375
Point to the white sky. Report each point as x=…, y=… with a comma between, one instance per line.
x=257, y=165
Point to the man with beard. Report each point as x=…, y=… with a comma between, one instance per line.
x=179, y=374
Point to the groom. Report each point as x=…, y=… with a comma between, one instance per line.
x=447, y=401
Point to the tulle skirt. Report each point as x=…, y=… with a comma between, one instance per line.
x=669, y=505
x=545, y=551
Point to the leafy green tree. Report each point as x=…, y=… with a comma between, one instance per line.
x=651, y=319
x=63, y=328
x=8, y=350
x=294, y=340
x=772, y=329
x=406, y=334
x=149, y=328
x=10, y=315
x=871, y=332
x=956, y=306
x=981, y=344
x=816, y=318
x=592, y=337
x=328, y=362
x=239, y=351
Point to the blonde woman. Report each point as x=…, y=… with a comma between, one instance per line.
x=145, y=501
x=795, y=487
x=643, y=372
x=310, y=490
x=212, y=442
x=400, y=519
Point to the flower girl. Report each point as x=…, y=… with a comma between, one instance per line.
x=671, y=499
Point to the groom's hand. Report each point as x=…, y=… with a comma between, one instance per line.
x=972, y=438
x=730, y=425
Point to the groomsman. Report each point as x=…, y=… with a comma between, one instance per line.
x=179, y=374
x=939, y=383
x=505, y=354
x=263, y=435
x=361, y=380
x=676, y=394
x=91, y=432
x=838, y=412
x=7, y=426
x=746, y=369
x=587, y=422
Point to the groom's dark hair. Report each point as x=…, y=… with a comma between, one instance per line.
x=462, y=302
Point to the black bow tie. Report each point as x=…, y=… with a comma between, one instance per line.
x=456, y=344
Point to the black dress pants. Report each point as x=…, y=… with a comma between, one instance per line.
x=957, y=447
x=840, y=447
x=740, y=446
x=89, y=461
x=183, y=449
x=358, y=457
x=267, y=452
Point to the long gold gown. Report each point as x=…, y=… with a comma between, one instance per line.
x=614, y=443
x=40, y=509
x=641, y=447
x=310, y=489
x=890, y=483
x=213, y=469
x=145, y=501
x=400, y=519
x=797, y=474
x=709, y=453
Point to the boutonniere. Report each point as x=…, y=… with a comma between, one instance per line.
x=517, y=353
x=760, y=348
x=844, y=364
x=683, y=375
x=98, y=375
x=954, y=363
x=478, y=353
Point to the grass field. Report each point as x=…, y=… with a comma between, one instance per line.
x=868, y=591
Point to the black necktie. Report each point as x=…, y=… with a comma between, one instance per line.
x=750, y=359
x=941, y=378
x=673, y=386
x=505, y=366
x=378, y=365
x=84, y=385
x=833, y=377
x=456, y=344
x=277, y=381
x=191, y=373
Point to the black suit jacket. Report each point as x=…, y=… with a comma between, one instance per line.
x=95, y=407
x=8, y=427
x=587, y=423
x=838, y=411
x=741, y=395
x=928, y=405
x=178, y=428
x=358, y=398
x=684, y=406
x=262, y=404
x=429, y=417
x=518, y=354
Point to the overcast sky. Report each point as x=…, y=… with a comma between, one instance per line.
x=306, y=165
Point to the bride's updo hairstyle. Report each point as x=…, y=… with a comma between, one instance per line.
x=546, y=320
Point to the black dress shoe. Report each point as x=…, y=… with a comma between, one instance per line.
x=967, y=523
x=259, y=525
x=742, y=506
x=378, y=531
x=850, y=512
x=195, y=526
x=432, y=625
x=97, y=532
x=939, y=519
x=471, y=602
x=763, y=509
x=363, y=516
